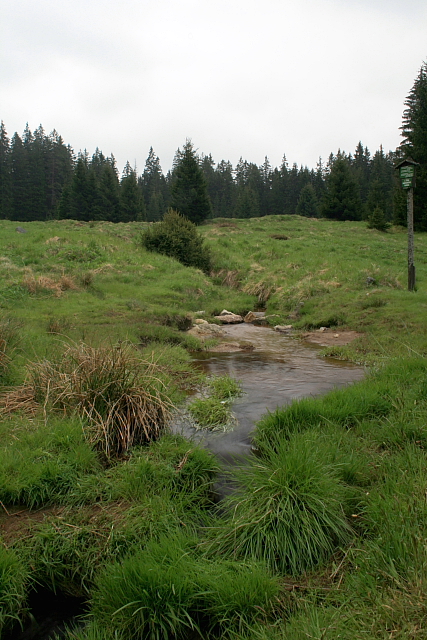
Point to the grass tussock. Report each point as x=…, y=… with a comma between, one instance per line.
x=42, y=284
x=213, y=411
x=262, y=290
x=288, y=509
x=9, y=332
x=169, y=591
x=120, y=396
x=231, y=278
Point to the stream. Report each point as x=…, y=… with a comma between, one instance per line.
x=279, y=369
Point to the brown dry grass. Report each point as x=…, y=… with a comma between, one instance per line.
x=119, y=396
x=41, y=284
x=261, y=289
x=228, y=278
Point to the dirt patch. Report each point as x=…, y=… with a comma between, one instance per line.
x=330, y=337
x=16, y=522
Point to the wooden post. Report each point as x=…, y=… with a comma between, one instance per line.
x=411, y=265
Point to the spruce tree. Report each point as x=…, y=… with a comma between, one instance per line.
x=307, y=204
x=247, y=203
x=189, y=193
x=21, y=203
x=131, y=201
x=5, y=181
x=341, y=200
x=414, y=144
x=109, y=193
x=154, y=188
x=377, y=220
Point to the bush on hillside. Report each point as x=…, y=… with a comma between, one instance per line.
x=177, y=237
x=377, y=220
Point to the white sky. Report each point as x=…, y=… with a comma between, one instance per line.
x=239, y=77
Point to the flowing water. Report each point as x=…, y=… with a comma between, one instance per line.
x=279, y=369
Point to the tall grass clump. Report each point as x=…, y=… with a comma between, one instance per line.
x=288, y=508
x=224, y=387
x=366, y=400
x=178, y=238
x=13, y=586
x=169, y=591
x=214, y=412
x=121, y=397
x=41, y=462
x=67, y=551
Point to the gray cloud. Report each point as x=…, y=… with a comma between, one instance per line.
x=237, y=76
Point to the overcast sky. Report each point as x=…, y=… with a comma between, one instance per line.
x=239, y=77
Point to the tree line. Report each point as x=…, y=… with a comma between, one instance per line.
x=42, y=178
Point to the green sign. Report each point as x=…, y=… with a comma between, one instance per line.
x=407, y=176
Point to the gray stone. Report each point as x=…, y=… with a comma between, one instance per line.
x=229, y=318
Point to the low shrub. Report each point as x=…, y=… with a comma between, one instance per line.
x=177, y=237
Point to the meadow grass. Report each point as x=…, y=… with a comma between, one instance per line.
x=333, y=501
x=318, y=277
x=40, y=462
x=14, y=581
x=288, y=508
x=168, y=590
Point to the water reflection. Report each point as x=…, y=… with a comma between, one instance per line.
x=279, y=370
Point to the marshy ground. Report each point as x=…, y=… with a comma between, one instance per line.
x=325, y=533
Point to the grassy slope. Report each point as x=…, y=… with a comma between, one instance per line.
x=317, y=277
x=93, y=282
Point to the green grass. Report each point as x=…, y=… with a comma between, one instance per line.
x=41, y=463
x=333, y=500
x=214, y=411
x=288, y=508
x=14, y=580
x=168, y=591
x=319, y=278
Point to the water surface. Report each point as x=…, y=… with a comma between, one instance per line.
x=280, y=369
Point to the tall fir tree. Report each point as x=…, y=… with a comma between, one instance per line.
x=5, y=178
x=109, y=193
x=307, y=203
x=414, y=144
x=132, y=206
x=341, y=200
x=19, y=180
x=189, y=192
x=225, y=190
x=154, y=188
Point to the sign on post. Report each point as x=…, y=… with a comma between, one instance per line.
x=407, y=176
